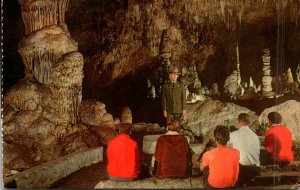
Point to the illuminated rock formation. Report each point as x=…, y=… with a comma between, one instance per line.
x=41, y=108
x=267, y=79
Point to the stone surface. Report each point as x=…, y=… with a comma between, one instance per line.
x=203, y=117
x=153, y=183
x=41, y=110
x=150, y=141
x=126, y=115
x=44, y=175
x=147, y=127
x=290, y=112
x=298, y=73
x=93, y=112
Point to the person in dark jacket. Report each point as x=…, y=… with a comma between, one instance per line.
x=173, y=97
x=173, y=154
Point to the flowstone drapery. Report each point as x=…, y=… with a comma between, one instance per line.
x=41, y=109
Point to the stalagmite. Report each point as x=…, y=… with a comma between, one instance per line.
x=289, y=75
x=50, y=94
x=238, y=65
x=267, y=79
x=251, y=83
x=298, y=73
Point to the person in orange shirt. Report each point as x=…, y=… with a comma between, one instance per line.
x=220, y=166
x=123, y=156
x=278, y=141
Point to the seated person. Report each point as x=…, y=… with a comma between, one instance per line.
x=123, y=156
x=172, y=154
x=220, y=166
x=248, y=144
x=278, y=142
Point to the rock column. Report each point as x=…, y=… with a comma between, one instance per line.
x=267, y=79
x=51, y=58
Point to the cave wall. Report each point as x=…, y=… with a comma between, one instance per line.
x=122, y=45
x=117, y=39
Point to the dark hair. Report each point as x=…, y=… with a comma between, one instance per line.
x=274, y=117
x=243, y=117
x=174, y=125
x=221, y=134
x=125, y=128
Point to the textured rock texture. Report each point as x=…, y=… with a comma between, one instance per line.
x=118, y=39
x=205, y=116
x=290, y=112
x=41, y=109
x=44, y=116
x=153, y=183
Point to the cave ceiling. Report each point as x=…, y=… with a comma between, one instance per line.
x=119, y=37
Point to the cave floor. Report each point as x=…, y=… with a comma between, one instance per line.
x=89, y=177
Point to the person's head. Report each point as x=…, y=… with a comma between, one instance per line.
x=125, y=128
x=274, y=118
x=173, y=73
x=243, y=120
x=221, y=134
x=174, y=125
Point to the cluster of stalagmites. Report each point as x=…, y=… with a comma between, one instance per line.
x=235, y=87
x=141, y=29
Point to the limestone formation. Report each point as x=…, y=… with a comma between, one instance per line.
x=147, y=127
x=267, y=79
x=93, y=112
x=231, y=85
x=41, y=108
x=215, y=90
x=104, y=132
x=298, y=73
x=38, y=14
x=251, y=83
x=193, y=85
x=238, y=66
x=290, y=112
x=288, y=80
x=126, y=115
x=154, y=183
x=203, y=117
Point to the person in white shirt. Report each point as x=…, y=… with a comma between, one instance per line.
x=247, y=142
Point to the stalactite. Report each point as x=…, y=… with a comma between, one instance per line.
x=222, y=4
x=240, y=14
x=38, y=14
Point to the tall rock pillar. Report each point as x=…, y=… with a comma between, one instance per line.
x=42, y=108
x=51, y=57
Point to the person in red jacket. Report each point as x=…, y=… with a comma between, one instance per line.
x=172, y=154
x=123, y=156
x=278, y=141
x=220, y=166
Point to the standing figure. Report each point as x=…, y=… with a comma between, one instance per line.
x=247, y=142
x=123, y=156
x=220, y=166
x=278, y=141
x=172, y=154
x=173, y=97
